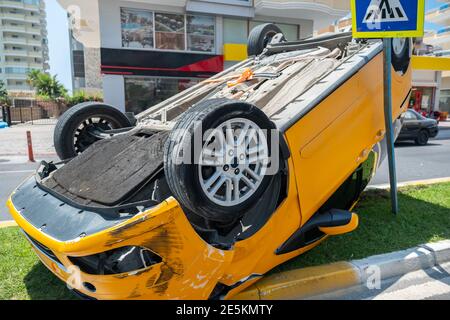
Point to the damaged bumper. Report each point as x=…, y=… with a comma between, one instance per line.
x=176, y=262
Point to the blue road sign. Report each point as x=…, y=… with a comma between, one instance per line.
x=388, y=18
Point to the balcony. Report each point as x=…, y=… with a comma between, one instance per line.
x=439, y=38
x=22, y=41
x=20, y=17
x=19, y=5
x=439, y=15
x=23, y=64
x=21, y=29
x=16, y=76
x=22, y=53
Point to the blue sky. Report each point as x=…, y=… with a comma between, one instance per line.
x=58, y=41
x=58, y=37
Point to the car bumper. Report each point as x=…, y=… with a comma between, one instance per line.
x=190, y=268
x=434, y=132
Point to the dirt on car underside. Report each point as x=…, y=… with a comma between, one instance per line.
x=113, y=171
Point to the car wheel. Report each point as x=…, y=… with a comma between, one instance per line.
x=422, y=138
x=72, y=134
x=260, y=37
x=401, y=54
x=216, y=159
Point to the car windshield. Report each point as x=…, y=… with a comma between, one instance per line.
x=414, y=115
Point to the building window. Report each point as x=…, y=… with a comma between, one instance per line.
x=137, y=28
x=148, y=30
x=422, y=99
x=235, y=31
x=444, y=101
x=170, y=31
x=14, y=70
x=78, y=64
x=201, y=33
x=142, y=93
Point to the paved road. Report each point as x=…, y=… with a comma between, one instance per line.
x=419, y=163
x=430, y=284
x=414, y=163
x=13, y=171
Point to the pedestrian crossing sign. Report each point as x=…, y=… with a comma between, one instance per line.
x=388, y=18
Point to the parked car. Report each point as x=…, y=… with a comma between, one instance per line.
x=221, y=183
x=418, y=128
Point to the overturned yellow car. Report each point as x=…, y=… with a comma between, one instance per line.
x=216, y=186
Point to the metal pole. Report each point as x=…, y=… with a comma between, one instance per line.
x=30, y=147
x=389, y=122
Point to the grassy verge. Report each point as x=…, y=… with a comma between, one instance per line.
x=424, y=217
x=22, y=276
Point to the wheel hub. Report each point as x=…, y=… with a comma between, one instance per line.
x=233, y=162
x=83, y=137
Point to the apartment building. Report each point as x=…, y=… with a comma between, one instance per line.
x=440, y=39
x=144, y=51
x=23, y=41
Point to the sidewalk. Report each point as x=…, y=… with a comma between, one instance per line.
x=444, y=125
x=331, y=280
x=13, y=141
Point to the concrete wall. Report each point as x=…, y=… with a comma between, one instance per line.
x=114, y=91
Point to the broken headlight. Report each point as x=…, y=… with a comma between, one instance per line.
x=117, y=261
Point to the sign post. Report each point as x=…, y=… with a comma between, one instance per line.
x=388, y=19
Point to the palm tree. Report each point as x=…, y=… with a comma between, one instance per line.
x=46, y=85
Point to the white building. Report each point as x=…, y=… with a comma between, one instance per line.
x=23, y=41
x=143, y=51
x=441, y=39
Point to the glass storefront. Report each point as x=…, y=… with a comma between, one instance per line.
x=137, y=28
x=170, y=31
x=444, y=101
x=142, y=93
x=422, y=99
x=154, y=30
x=201, y=33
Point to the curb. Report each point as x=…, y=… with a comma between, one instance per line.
x=314, y=281
x=7, y=224
x=410, y=183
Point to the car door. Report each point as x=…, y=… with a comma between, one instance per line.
x=411, y=125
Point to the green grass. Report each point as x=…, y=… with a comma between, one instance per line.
x=424, y=217
x=22, y=276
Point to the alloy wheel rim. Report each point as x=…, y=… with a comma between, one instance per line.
x=233, y=162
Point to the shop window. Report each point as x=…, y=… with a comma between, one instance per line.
x=444, y=101
x=235, y=31
x=148, y=29
x=422, y=99
x=170, y=31
x=142, y=93
x=137, y=28
x=200, y=33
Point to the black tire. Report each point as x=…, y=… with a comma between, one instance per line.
x=401, y=58
x=184, y=177
x=260, y=37
x=423, y=138
x=70, y=122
